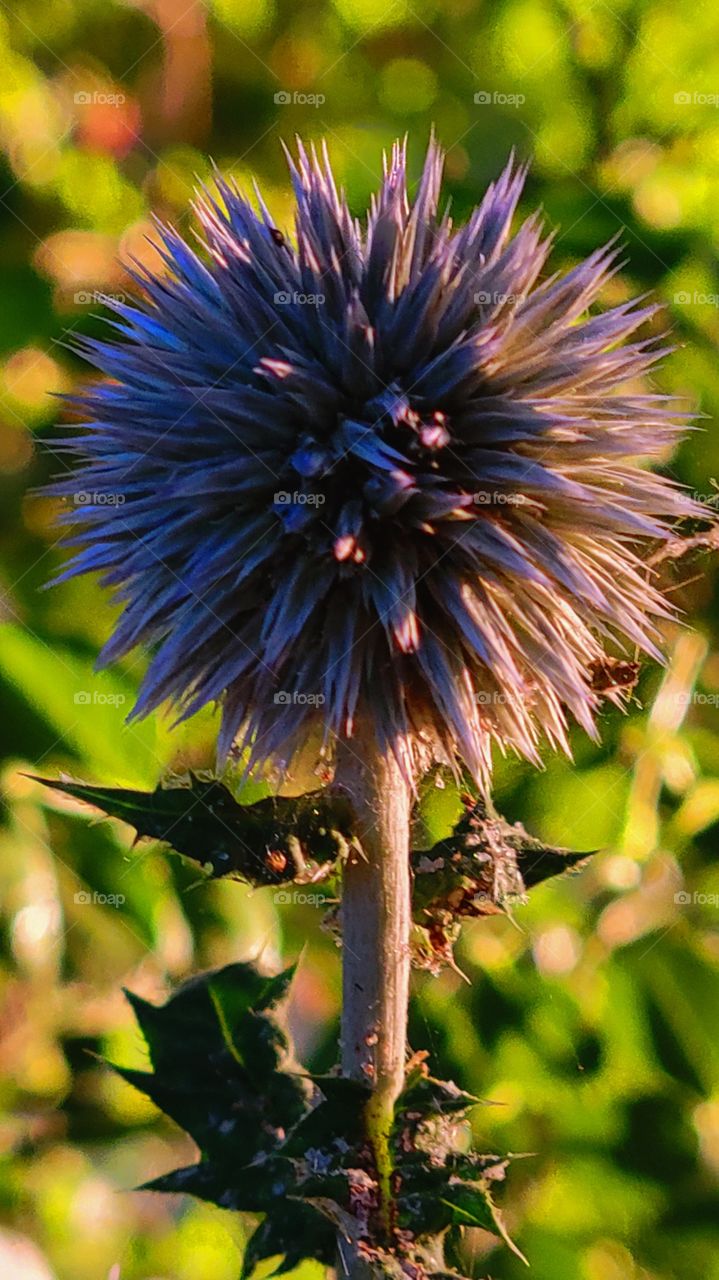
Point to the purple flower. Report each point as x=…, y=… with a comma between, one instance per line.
x=377, y=466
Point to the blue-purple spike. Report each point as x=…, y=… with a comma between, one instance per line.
x=378, y=468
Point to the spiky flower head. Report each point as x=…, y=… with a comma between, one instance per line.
x=375, y=467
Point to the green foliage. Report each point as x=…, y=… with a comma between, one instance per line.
x=484, y=867
x=590, y=1019
x=294, y=1148
x=269, y=842
x=219, y=1058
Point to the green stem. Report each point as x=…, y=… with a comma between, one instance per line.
x=376, y=922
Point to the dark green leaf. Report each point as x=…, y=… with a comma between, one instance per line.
x=338, y=1116
x=295, y=1233
x=217, y=1051
x=268, y=842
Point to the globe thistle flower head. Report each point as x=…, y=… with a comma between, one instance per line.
x=388, y=468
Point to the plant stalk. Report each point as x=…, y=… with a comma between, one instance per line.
x=376, y=922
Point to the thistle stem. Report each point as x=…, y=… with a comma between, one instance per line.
x=376, y=921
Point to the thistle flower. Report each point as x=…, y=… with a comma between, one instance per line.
x=375, y=466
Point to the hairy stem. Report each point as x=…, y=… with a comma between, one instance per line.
x=376, y=920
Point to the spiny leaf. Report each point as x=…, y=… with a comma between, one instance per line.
x=273, y=841
x=483, y=863
x=186, y=1020
x=250, y=1188
x=298, y=1232
x=206, y=1015
x=338, y=1116
x=269, y=1146
x=482, y=868
x=205, y=1181
x=217, y=1051
x=255, y=1041
x=425, y=1094
x=471, y=1206
x=195, y=1112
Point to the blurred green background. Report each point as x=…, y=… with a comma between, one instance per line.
x=592, y=1019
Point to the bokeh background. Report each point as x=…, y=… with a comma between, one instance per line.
x=592, y=1020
